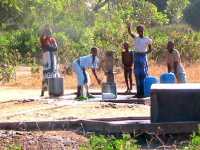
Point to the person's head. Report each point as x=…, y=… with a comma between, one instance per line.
x=94, y=51
x=47, y=31
x=170, y=46
x=126, y=46
x=140, y=30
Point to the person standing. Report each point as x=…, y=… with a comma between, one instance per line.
x=49, y=57
x=127, y=60
x=174, y=63
x=143, y=46
x=80, y=66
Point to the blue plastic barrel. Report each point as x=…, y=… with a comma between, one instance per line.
x=168, y=78
x=148, y=81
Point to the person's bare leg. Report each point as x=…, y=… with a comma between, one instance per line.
x=78, y=91
x=130, y=80
x=44, y=88
x=87, y=90
x=126, y=80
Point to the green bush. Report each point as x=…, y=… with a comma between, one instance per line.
x=194, y=143
x=110, y=143
x=26, y=43
x=191, y=14
x=7, y=73
x=14, y=147
x=186, y=40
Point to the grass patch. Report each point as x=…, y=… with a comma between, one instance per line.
x=14, y=147
x=194, y=143
x=101, y=142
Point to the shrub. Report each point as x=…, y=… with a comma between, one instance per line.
x=194, y=144
x=26, y=43
x=191, y=14
x=110, y=143
x=186, y=40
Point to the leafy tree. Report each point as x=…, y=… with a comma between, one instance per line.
x=192, y=13
x=10, y=14
x=160, y=4
x=175, y=9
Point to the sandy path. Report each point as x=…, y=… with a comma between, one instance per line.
x=12, y=94
x=14, y=108
x=79, y=111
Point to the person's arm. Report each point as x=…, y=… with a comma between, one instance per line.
x=96, y=77
x=53, y=44
x=177, y=60
x=149, y=48
x=129, y=31
x=149, y=42
x=122, y=58
x=176, y=67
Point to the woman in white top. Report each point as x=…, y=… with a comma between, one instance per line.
x=142, y=48
x=80, y=66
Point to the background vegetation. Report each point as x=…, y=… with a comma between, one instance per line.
x=78, y=25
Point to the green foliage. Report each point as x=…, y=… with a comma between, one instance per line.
x=160, y=4
x=192, y=13
x=142, y=12
x=186, y=41
x=175, y=9
x=14, y=147
x=24, y=42
x=78, y=26
x=7, y=73
x=7, y=56
x=10, y=13
x=110, y=143
x=194, y=143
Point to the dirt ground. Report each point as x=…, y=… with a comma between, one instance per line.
x=20, y=101
x=41, y=110
x=24, y=103
x=49, y=140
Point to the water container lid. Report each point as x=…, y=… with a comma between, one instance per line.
x=178, y=86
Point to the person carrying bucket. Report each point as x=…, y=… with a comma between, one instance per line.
x=80, y=66
x=49, y=57
x=143, y=46
x=174, y=64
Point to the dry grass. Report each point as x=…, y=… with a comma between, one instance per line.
x=34, y=81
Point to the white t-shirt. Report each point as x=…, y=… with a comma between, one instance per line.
x=141, y=44
x=86, y=62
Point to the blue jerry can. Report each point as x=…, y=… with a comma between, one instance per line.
x=168, y=78
x=148, y=81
